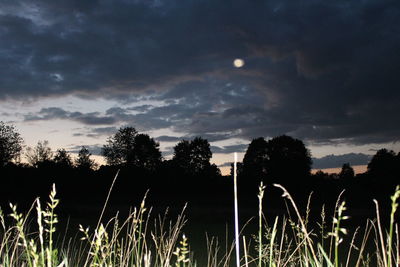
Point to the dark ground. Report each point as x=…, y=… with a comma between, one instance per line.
x=209, y=201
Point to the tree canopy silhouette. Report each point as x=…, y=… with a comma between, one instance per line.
x=10, y=144
x=347, y=172
x=62, y=159
x=193, y=157
x=83, y=161
x=280, y=158
x=288, y=158
x=40, y=155
x=120, y=147
x=127, y=147
x=256, y=158
x=148, y=155
x=384, y=164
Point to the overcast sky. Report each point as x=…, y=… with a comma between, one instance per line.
x=326, y=72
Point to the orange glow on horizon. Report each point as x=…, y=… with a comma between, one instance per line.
x=357, y=169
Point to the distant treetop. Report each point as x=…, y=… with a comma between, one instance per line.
x=280, y=158
x=127, y=147
x=10, y=144
x=83, y=161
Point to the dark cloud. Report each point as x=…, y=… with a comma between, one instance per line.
x=225, y=164
x=48, y=114
x=335, y=161
x=101, y=131
x=92, y=118
x=322, y=71
x=166, y=138
x=331, y=161
x=141, y=108
x=95, y=132
x=93, y=149
x=208, y=136
x=229, y=149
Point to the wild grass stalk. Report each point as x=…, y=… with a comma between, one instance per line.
x=367, y=230
x=283, y=252
x=182, y=253
x=322, y=226
x=338, y=201
x=50, y=219
x=398, y=245
x=381, y=239
x=245, y=251
x=307, y=237
x=394, y=198
x=351, y=246
x=212, y=251
x=338, y=229
x=272, y=243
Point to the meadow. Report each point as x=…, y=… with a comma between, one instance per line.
x=299, y=236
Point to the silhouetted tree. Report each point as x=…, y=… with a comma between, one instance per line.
x=383, y=164
x=320, y=175
x=347, y=172
x=398, y=164
x=182, y=154
x=120, y=147
x=213, y=170
x=41, y=154
x=147, y=152
x=255, y=159
x=282, y=157
x=129, y=148
x=288, y=158
x=62, y=159
x=193, y=157
x=83, y=161
x=10, y=144
x=200, y=154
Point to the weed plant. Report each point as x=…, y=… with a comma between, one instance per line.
x=139, y=241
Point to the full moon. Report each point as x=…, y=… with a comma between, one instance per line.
x=238, y=63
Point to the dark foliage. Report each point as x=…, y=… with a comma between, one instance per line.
x=288, y=158
x=10, y=144
x=62, y=159
x=120, y=147
x=347, y=172
x=128, y=148
x=41, y=155
x=282, y=159
x=384, y=164
x=256, y=158
x=193, y=158
x=83, y=161
x=147, y=152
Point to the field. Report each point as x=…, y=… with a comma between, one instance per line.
x=201, y=234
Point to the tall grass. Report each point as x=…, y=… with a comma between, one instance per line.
x=142, y=241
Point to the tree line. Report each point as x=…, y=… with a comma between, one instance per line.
x=187, y=177
x=126, y=148
x=280, y=159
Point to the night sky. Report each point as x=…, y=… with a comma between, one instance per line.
x=326, y=72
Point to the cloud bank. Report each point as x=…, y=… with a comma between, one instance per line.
x=322, y=71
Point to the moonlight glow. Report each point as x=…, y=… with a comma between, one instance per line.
x=238, y=63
